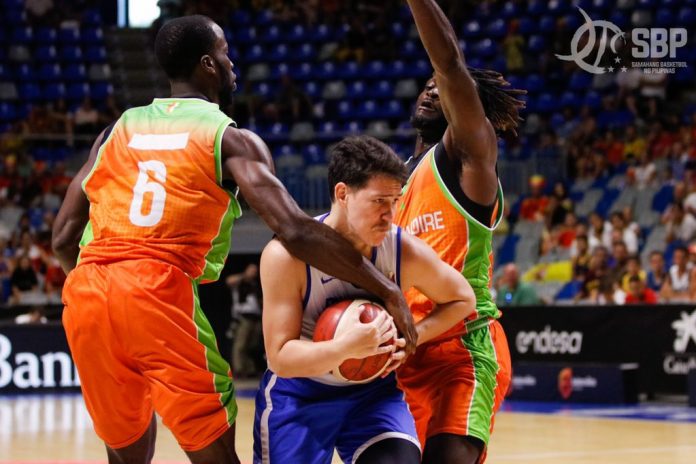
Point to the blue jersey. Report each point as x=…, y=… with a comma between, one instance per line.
x=302, y=420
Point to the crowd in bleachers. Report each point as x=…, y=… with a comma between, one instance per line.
x=313, y=71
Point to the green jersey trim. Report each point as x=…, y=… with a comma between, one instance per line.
x=445, y=190
x=215, y=363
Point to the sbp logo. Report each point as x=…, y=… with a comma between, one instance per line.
x=686, y=330
x=653, y=43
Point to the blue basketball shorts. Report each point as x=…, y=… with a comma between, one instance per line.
x=301, y=421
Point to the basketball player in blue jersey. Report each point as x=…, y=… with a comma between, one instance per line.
x=303, y=413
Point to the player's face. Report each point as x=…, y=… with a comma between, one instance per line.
x=428, y=118
x=428, y=103
x=223, y=63
x=370, y=210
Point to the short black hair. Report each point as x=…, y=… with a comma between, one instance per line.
x=354, y=160
x=181, y=43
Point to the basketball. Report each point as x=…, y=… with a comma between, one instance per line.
x=329, y=325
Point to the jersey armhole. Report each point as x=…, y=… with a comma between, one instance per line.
x=449, y=172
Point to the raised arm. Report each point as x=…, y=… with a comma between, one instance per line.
x=73, y=215
x=248, y=161
x=470, y=137
x=423, y=269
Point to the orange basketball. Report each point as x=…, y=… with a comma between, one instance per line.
x=329, y=325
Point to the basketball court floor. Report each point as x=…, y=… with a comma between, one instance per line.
x=56, y=429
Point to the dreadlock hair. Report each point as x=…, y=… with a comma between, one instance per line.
x=181, y=43
x=500, y=101
x=354, y=160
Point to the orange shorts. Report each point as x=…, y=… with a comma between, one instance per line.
x=456, y=386
x=141, y=344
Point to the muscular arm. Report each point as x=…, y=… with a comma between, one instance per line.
x=248, y=161
x=73, y=215
x=441, y=283
x=283, y=281
x=470, y=137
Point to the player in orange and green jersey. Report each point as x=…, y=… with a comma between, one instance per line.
x=145, y=221
x=453, y=201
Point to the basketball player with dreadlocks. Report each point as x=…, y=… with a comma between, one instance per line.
x=453, y=201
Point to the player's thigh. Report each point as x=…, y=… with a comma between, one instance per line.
x=379, y=413
x=190, y=382
x=296, y=420
x=116, y=394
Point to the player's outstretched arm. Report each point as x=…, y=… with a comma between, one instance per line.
x=441, y=283
x=73, y=215
x=470, y=137
x=248, y=161
x=283, y=280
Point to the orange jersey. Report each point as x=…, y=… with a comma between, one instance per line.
x=429, y=210
x=155, y=189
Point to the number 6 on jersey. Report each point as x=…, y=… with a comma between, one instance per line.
x=142, y=186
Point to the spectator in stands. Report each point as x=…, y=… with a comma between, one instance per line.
x=246, y=301
x=657, y=275
x=633, y=269
x=676, y=286
x=34, y=316
x=40, y=12
x=600, y=231
x=513, y=292
x=617, y=261
x=634, y=143
x=354, y=42
x=24, y=281
x=678, y=157
x=659, y=140
x=60, y=117
x=581, y=258
x=620, y=231
x=512, y=47
x=644, y=172
x=638, y=293
x=680, y=225
x=38, y=122
x=596, y=272
x=86, y=118
x=567, y=230
x=608, y=293
x=550, y=250
x=292, y=103
x=611, y=148
x=110, y=111
x=627, y=213
x=534, y=206
x=6, y=268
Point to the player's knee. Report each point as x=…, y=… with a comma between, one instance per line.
x=391, y=451
x=449, y=449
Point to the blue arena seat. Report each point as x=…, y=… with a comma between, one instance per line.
x=496, y=29
x=471, y=30
x=349, y=70
x=46, y=36
x=29, y=92
x=50, y=72
x=46, y=53
x=71, y=54
x=7, y=111
x=22, y=35
x=69, y=35
x=92, y=36
x=75, y=72
x=356, y=90
x=382, y=89
x=53, y=91
x=96, y=54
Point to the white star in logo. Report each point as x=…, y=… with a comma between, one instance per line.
x=686, y=330
x=611, y=69
x=617, y=60
x=624, y=69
